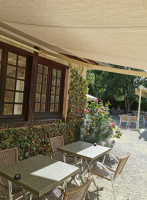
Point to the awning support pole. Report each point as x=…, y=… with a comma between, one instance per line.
x=139, y=109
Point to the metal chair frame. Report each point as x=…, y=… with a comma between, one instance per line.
x=112, y=174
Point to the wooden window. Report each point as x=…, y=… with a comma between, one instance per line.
x=13, y=73
x=55, y=90
x=49, y=90
x=24, y=98
x=14, y=85
x=41, y=89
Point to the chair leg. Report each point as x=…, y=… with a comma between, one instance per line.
x=97, y=189
x=113, y=190
x=10, y=190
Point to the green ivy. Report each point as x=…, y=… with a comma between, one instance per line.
x=34, y=140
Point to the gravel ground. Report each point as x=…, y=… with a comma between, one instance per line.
x=135, y=172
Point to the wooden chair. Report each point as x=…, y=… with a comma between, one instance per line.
x=124, y=118
x=133, y=119
x=58, y=193
x=8, y=157
x=56, y=142
x=107, y=173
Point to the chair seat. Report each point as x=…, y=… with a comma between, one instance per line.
x=69, y=158
x=55, y=194
x=101, y=172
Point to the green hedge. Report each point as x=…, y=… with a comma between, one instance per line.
x=34, y=140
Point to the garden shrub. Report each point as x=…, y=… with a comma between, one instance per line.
x=97, y=126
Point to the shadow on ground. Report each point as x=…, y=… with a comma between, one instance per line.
x=143, y=134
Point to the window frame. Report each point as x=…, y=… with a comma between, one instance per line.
x=29, y=117
x=6, y=49
x=52, y=65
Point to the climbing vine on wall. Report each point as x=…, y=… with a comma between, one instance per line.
x=34, y=140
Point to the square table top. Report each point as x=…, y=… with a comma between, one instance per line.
x=84, y=150
x=39, y=174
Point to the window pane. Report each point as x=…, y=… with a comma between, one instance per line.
x=21, y=61
x=57, y=99
x=12, y=58
x=42, y=107
x=56, y=107
x=20, y=73
x=20, y=85
x=38, y=88
x=10, y=84
x=44, y=88
x=45, y=70
x=51, y=107
x=9, y=96
x=57, y=90
x=45, y=79
x=0, y=54
x=58, y=74
x=11, y=71
x=53, y=90
x=52, y=98
x=17, y=109
x=8, y=109
x=43, y=98
x=53, y=81
x=37, y=97
x=18, y=97
x=58, y=82
x=39, y=78
x=54, y=72
x=40, y=69
x=37, y=106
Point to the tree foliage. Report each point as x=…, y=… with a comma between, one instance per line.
x=117, y=88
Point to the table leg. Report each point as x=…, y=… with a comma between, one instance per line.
x=64, y=157
x=10, y=190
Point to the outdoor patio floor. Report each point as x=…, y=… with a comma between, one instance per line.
x=135, y=173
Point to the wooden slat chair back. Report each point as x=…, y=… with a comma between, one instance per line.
x=79, y=192
x=7, y=157
x=120, y=166
x=133, y=118
x=56, y=142
x=124, y=118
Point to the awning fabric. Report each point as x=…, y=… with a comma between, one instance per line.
x=109, y=31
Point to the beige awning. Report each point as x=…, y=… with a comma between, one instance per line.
x=108, y=31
